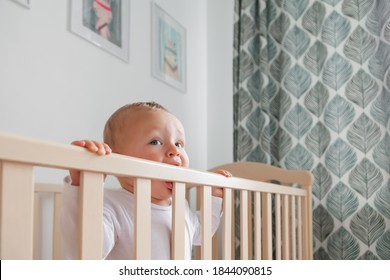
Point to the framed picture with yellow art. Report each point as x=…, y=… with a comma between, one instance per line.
x=105, y=23
x=168, y=49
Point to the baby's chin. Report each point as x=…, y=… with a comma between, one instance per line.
x=162, y=192
x=160, y=186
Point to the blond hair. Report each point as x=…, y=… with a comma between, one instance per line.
x=115, y=123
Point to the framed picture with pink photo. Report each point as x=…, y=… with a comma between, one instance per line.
x=168, y=49
x=104, y=23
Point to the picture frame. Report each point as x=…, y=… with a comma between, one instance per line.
x=168, y=49
x=24, y=3
x=104, y=23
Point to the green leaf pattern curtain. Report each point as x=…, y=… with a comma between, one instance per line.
x=312, y=91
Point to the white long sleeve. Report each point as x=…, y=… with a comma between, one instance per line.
x=118, y=225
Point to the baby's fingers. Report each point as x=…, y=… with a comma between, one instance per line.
x=80, y=143
x=93, y=146
x=224, y=173
x=97, y=147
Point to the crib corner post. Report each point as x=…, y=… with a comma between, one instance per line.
x=17, y=208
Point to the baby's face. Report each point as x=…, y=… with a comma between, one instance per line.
x=158, y=136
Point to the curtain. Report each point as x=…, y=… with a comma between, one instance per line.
x=312, y=91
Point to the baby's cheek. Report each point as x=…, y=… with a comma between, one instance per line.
x=185, y=161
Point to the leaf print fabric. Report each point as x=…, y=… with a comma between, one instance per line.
x=312, y=91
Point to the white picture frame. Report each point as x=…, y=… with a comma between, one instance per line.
x=168, y=49
x=105, y=23
x=24, y=3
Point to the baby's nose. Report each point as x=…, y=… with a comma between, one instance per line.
x=173, y=151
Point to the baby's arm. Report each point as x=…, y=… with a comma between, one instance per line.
x=93, y=147
x=70, y=208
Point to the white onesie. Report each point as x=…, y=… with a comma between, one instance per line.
x=118, y=225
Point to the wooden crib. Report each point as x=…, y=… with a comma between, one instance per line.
x=275, y=219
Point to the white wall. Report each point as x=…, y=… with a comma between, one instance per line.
x=57, y=86
x=220, y=81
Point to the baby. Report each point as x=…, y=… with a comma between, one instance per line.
x=145, y=130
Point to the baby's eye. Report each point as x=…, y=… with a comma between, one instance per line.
x=155, y=142
x=179, y=145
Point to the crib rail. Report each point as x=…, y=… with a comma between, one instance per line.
x=18, y=156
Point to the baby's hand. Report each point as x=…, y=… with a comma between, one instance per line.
x=218, y=192
x=92, y=146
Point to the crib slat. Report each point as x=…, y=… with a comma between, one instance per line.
x=285, y=227
x=257, y=221
x=17, y=208
x=227, y=224
x=37, y=230
x=293, y=229
x=56, y=227
x=233, y=228
x=142, y=234
x=278, y=236
x=206, y=249
x=267, y=225
x=299, y=226
x=91, y=215
x=178, y=222
x=307, y=217
x=250, y=227
x=244, y=226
